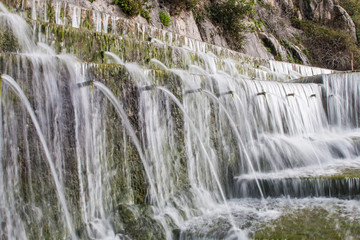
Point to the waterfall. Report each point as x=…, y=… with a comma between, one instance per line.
x=141, y=132
x=59, y=189
x=343, y=102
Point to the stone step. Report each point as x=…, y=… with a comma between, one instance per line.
x=277, y=218
x=13, y=63
x=319, y=79
x=313, y=219
x=89, y=46
x=343, y=184
x=69, y=15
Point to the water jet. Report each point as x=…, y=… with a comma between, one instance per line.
x=192, y=91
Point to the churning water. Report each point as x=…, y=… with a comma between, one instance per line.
x=220, y=148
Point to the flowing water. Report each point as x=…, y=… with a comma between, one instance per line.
x=216, y=149
x=8, y=80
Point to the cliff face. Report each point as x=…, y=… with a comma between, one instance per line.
x=316, y=32
x=304, y=30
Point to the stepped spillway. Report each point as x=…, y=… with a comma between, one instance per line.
x=155, y=135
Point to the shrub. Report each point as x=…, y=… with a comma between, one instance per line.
x=229, y=16
x=146, y=14
x=328, y=47
x=165, y=18
x=135, y=7
x=130, y=7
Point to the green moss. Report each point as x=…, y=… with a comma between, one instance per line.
x=165, y=18
x=36, y=186
x=310, y=223
x=129, y=184
x=8, y=42
x=87, y=23
x=90, y=46
x=137, y=221
x=347, y=173
x=146, y=14
x=259, y=25
x=353, y=173
x=50, y=12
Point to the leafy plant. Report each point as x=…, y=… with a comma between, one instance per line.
x=165, y=18
x=229, y=16
x=135, y=7
x=130, y=7
x=145, y=13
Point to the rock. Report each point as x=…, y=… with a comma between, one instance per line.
x=254, y=48
x=211, y=34
x=285, y=51
x=273, y=44
x=184, y=24
x=327, y=12
x=287, y=6
x=137, y=222
x=317, y=9
x=344, y=21
x=298, y=54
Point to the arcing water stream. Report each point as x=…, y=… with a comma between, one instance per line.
x=60, y=193
x=173, y=156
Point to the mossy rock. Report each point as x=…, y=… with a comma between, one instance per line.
x=310, y=223
x=137, y=222
x=347, y=173
x=8, y=42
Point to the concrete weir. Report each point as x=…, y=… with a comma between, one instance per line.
x=127, y=137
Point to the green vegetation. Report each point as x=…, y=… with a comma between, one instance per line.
x=346, y=173
x=229, y=16
x=328, y=47
x=145, y=13
x=135, y=7
x=259, y=25
x=165, y=18
x=352, y=7
x=138, y=222
x=130, y=7
x=310, y=223
x=292, y=54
